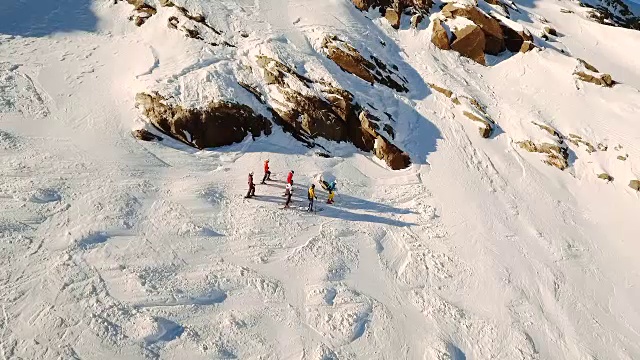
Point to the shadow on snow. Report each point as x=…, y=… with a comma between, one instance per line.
x=37, y=18
x=338, y=210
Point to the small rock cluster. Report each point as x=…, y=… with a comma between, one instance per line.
x=475, y=112
x=393, y=10
x=471, y=32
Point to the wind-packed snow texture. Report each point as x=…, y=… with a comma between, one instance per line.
x=113, y=248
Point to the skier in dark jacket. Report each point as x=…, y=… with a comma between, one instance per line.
x=288, y=192
x=252, y=186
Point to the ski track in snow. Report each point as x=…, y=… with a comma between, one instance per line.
x=126, y=249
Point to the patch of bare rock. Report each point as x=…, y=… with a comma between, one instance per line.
x=220, y=123
x=474, y=111
x=145, y=135
x=372, y=70
x=323, y=110
x=303, y=107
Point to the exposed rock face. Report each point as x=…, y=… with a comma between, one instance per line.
x=588, y=66
x=321, y=110
x=362, y=4
x=527, y=46
x=440, y=38
x=494, y=36
x=606, y=177
x=613, y=13
x=550, y=31
x=470, y=42
x=351, y=61
x=393, y=17
x=635, y=185
x=400, y=5
x=173, y=22
x=514, y=40
x=221, y=123
x=145, y=135
x=448, y=93
x=604, y=79
x=577, y=140
x=392, y=10
x=416, y=20
x=549, y=129
x=382, y=148
x=556, y=155
x=142, y=11
x=486, y=127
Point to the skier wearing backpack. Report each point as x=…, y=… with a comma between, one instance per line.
x=331, y=188
x=252, y=186
x=311, y=195
x=288, y=192
x=267, y=173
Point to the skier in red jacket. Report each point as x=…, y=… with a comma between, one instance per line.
x=267, y=173
x=290, y=177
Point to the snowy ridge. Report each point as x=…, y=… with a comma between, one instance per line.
x=117, y=248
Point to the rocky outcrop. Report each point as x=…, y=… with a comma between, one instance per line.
x=557, y=155
x=393, y=17
x=588, y=66
x=474, y=112
x=317, y=109
x=173, y=22
x=440, y=37
x=514, y=40
x=141, y=11
x=553, y=132
x=550, y=31
x=220, y=123
x=352, y=61
x=470, y=42
x=635, y=185
x=448, y=93
x=382, y=148
x=606, y=177
x=481, y=34
x=393, y=10
x=604, y=80
x=578, y=140
x=527, y=46
x=401, y=6
x=194, y=26
x=493, y=34
x=416, y=20
x=145, y=135
x=612, y=13
x=486, y=126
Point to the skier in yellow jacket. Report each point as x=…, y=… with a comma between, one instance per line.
x=311, y=195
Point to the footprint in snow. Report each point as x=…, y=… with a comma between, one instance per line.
x=42, y=196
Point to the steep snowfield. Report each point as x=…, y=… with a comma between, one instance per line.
x=115, y=248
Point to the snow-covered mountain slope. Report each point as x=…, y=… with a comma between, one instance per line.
x=113, y=247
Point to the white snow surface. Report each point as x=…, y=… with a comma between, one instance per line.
x=112, y=248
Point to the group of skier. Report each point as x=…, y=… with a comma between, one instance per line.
x=288, y=192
